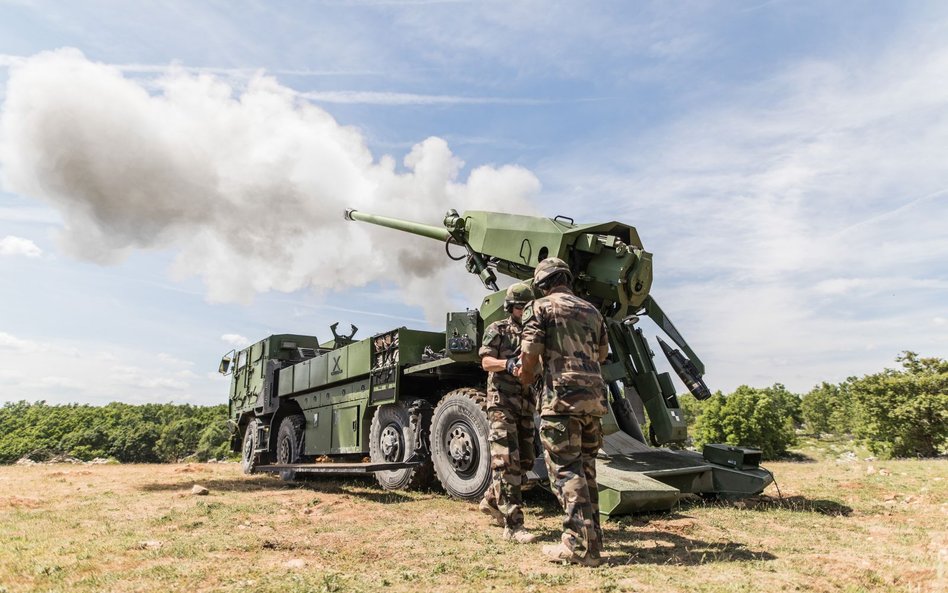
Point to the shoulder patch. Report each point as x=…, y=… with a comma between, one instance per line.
x=527, y=313
x=490, y=334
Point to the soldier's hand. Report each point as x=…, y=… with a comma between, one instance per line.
x=513, y=366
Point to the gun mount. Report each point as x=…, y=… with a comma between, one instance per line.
x=611, y=269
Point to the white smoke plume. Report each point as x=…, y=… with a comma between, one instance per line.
x=247, y=185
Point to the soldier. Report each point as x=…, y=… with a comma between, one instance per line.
x=569, y=335
x=510, y=409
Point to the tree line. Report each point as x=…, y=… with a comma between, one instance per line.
x=895, y=413
x=148, y=433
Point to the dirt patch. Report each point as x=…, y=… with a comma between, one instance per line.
x=68, y=474
x=191, y=469
x=20, y=502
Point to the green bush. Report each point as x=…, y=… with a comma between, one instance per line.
x=692, y=408
x=829, y=408
x=214, y=442
x=901, y=413
x=749, y=417
x=131, y=434
x=179, y=439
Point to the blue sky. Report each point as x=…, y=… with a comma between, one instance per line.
x=174, y=174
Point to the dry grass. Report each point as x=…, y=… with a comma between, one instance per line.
x=840, y=527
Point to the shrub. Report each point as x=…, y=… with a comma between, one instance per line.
x=749, y=417
x=145, y=433
x=904, y=412
x=214, y=442
x=692, y=408
x=829, y=408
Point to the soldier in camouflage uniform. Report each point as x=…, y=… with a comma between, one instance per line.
x=569, y=335
x=510, y=408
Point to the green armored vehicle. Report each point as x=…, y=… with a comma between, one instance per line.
x=408, y=405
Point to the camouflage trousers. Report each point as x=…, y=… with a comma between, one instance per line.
x=571, y=444
x=511, y=455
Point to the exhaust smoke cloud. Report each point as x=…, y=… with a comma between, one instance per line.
x=246, y=185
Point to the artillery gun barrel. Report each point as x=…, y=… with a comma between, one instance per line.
x=415, y=228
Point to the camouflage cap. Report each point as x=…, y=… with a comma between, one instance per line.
x=549, y=267
x=518, y=294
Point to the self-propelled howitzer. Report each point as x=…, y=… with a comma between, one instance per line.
x=408, y=405
x=611, y=269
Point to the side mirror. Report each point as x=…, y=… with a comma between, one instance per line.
x=224, y=369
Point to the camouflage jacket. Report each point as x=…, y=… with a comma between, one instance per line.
x=567, y=332
x=502, y=340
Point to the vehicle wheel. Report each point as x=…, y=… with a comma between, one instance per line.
x=395, y=431
x=460, y=451
x=289, y=445
x=249, y=459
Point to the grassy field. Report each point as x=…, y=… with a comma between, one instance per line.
x=843, y=524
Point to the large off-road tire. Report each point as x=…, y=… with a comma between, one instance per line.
x=289, y=445
x=460, y=451
x=249, y=459
x=394, y=434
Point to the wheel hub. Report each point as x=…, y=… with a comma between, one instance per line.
x=390, y=441
x=283, y=451
x=461, y=447
x=249, y=446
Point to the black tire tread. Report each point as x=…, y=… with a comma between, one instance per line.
x=419, y=477
x=477, y=396
x=249, y=466
x=298, y=422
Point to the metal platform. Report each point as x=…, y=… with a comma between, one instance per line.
x=634, y=477
x=656, y=461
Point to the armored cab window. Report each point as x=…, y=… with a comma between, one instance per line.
x=242, y=359
x=305, y=353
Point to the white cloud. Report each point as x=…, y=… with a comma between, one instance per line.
x=152, y=379
x=836, y=286
x=393, y=98
x=11, y=342
x=171, y=360
x=235, y=340
x=11, y=245
x=878, y=285
x=63, y=371
x=10, y=376
x=7, y=60
x=53, y=382
x=939, y=321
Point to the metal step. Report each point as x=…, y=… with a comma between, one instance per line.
x=340, y=469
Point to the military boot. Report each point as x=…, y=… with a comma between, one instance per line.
x=491, y=510
x=560, y=553
x=519, y=534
